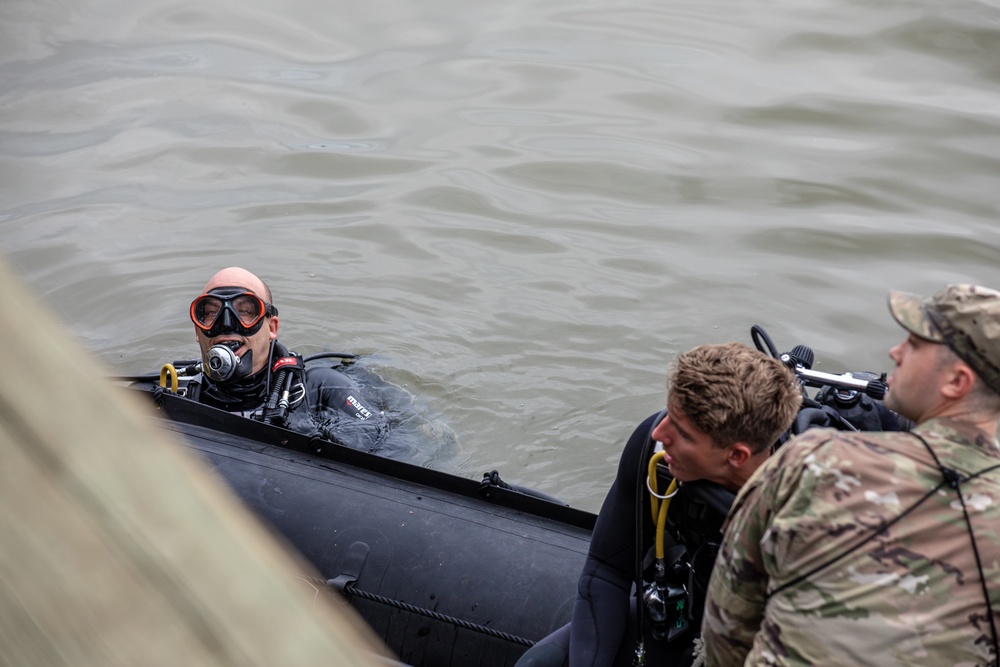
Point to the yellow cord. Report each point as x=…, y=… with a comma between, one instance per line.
x=659, y=509
x=168, y=369
x=661, y=526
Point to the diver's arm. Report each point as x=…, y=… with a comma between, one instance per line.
x=330, y=389
x=601, y=611
x=342, y=412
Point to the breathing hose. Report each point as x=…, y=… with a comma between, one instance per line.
x=273, y=412
x=762, y=341
x=659, y=508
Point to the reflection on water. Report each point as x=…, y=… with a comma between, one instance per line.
x=520, y=212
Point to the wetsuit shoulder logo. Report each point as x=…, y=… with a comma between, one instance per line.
x=362, y=411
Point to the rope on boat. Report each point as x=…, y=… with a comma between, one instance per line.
x=492, y=478
x=475, y=627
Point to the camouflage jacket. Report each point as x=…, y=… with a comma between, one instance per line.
x=805, y=576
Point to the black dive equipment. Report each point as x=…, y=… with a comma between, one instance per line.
x=286, y=392
x=222, y=364
x=667, y=597
x=849, y=401
x=801, y=359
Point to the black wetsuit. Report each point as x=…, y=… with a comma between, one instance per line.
x=332, y=405
x=603, y=629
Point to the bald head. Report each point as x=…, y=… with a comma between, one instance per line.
x=235, y=276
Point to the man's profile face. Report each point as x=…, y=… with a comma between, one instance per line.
x=914, y=383
x=690, y=453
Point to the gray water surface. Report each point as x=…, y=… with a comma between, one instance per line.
x=521, y=212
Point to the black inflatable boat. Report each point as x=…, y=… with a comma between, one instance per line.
x=448, y=571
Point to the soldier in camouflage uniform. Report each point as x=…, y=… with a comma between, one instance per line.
x=878, y=548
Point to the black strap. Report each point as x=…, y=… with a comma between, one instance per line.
x=641, y=505
x=955, y=480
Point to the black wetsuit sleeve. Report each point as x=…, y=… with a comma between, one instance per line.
x=601, y=610
x=332, y=390
x=342, y=411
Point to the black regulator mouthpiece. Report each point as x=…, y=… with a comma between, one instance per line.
x=222, y=364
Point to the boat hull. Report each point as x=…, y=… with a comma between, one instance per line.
x=444, y=571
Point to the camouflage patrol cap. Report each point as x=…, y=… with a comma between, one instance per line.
x=966, y=318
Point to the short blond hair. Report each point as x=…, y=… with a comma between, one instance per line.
x=734, y=393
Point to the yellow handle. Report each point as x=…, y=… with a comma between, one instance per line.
x=168, y=369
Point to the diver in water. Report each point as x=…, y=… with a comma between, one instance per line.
x=727, y=405
x=246, y=370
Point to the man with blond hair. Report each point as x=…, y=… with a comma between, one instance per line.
x=726, y=407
